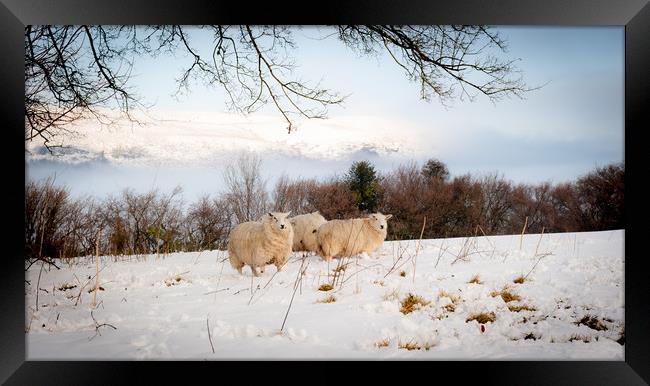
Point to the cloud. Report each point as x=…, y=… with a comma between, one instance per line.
x=203, y=137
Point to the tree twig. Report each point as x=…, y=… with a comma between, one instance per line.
x=207, y=323
x=97, y=326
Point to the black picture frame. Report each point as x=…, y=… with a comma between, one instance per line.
x=633, y=14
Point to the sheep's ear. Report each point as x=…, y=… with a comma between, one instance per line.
x=388, y=216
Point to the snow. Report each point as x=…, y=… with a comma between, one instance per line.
x=161, y=306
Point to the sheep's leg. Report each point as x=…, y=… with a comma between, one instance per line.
x=235, y=262
x=254, y=271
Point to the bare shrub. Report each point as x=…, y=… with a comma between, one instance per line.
x=245, y=188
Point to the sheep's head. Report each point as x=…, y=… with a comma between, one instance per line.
x=379, y=221
x=278, y=221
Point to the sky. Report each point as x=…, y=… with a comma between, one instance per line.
x=572, y=124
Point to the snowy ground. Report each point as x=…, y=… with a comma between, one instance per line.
x=160, y=308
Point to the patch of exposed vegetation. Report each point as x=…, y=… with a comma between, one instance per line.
x=444, y=294
x=402, y=274
x=325, y=287
x=592, y=322
x=66, y=286
x=519, y=308
x=382, y=343
x=327, y=299
x=414, y=346
x=531, y=336
x=506, y=295
x=476, y=279
x=482, y=317
x=519, y=280
x=583, y=338
x=411, y=303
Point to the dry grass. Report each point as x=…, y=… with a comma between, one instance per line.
x=451, y=307
x=506, y=295
x=523, y=307
x=382, y=343
x=531, y=336
x=444, y=294
x=414, y=346
x=325, y=287
x=584, y=338
x=93, y=289
x=482, y=317
x=327, y=299
x=379, y=282
x=593, y=323
x=391, y=295
x=411, y=303
x=66, y=286
x=519, y=280
x=476, y=279
x=402, y=274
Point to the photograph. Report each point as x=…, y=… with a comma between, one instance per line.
x=324, y=192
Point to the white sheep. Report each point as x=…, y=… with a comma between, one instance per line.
x=304, y=231
x=258, y=243
x=338, y=238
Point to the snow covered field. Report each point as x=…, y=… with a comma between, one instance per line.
x=570, y=306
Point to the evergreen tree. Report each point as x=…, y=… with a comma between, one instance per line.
x=364, y=184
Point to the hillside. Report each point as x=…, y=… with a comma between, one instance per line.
x=570, y=306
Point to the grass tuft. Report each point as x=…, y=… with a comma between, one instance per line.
x=327, y=299
x=531, y=336
x=523, y=307
x=519, y=280
x=593, y=323
x=402, y=274
x=444, y=294
x=382, y=343
x=482, y=317
x=66, y=286
x=583, y=338
x=325, y=287
x=506, y=295
x=414, y=346
x=411, y=303
x=476, y=279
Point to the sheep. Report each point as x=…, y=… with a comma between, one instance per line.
x=258, y=243
x=304, y=231
x=338, y=238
